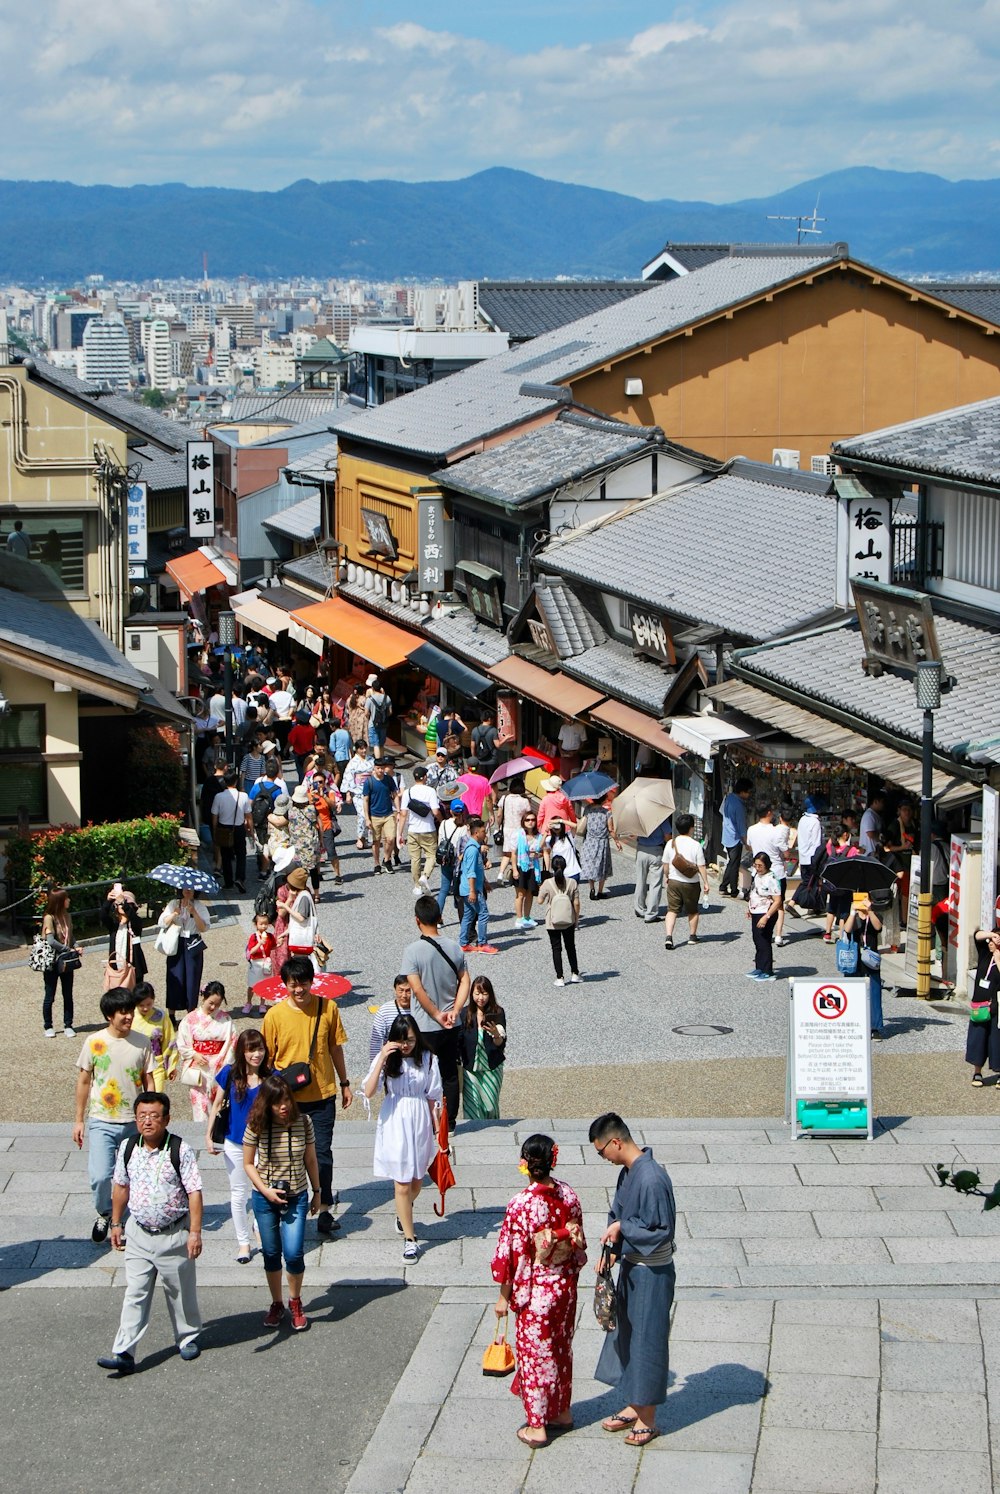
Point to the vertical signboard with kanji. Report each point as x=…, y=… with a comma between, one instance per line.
x=136, y=530
x=201, y=490
x=870, y=553
x=434, y=544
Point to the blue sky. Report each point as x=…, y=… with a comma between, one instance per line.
x=714, y=99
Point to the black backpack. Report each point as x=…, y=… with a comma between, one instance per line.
x=262, y=806
x=174, y=1145
x=445, y=853
x=383, y=710
x=266, y=901
x=483, y=745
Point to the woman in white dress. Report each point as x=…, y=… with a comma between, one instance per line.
x=405, y=1139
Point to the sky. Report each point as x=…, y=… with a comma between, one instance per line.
x=715, y=100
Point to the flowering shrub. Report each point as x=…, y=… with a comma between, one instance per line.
x=69, y=855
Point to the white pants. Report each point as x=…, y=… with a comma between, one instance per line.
x=239, y=1191
x=149, y=1256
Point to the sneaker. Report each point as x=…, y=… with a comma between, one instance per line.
x=190, y=1351
x=485, y=949
x=411, y=1250
x=529, y=923
x=693, y=939
x=754, y=975
x=390, y=866
x=50, y=1032
x=69, y=1032
x=781, y=942
x=325, y=1223
x=828, y=939
x=274, y=1315
x=338, y=881
x=558, y=981
x=575, y=978
x=762, y=975
x=376, y=871
x=123, y=1363
x=99, y=1233
x=418, y=890
x=424, y=882
x=668, y=943
x=299, y=1320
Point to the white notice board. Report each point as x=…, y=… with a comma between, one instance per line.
x=829, y=1078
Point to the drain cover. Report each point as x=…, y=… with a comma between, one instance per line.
x=701, y=1029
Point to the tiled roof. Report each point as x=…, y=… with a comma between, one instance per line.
x=314, y=570
x=485, y=399
x=172, y=433
x=320, y=463
x=462, y=632
x=162, y=470
x=959, y=443
x=566, y=450
x=55, y=632
x=826, y=666
x=527, y=308
x=570, y=625
x=696, y=256
x=980, y=299
x=613, y=666
x=752, y=551
x=270, y=409
x=301, y=521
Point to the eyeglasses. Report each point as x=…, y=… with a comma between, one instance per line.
x=602, y=1149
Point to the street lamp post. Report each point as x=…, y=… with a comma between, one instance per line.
x=227, y=638
x=928, y=679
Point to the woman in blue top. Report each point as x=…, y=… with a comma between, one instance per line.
x=240, y=1080
x=528, y=859
x=340, y=750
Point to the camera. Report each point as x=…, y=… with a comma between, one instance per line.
x=283, y=1186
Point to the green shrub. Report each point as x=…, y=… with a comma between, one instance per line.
x=69, y=855
x=154, y=773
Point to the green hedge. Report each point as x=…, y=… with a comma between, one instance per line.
x=69, y=855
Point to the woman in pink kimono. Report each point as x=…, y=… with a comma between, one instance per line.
x=204, y=1041
x=539, y=1255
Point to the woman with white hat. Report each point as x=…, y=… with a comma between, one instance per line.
x=554, y=803
x=303, y=832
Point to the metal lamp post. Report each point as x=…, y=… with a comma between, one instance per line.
x=227, y=638
x=928, y=678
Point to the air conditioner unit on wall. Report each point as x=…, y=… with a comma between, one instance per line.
x=821, y=465
x=784, y=456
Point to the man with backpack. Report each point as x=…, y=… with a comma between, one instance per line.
x=378, y=709
x=156, y=1177
x=452, y=835
x=485, y=744
x=262, y=797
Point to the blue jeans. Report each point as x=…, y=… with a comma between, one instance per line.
x=282, y=1231
x=477, y=913
x=105, y=1139
x=323, y=1114
x=875, y=996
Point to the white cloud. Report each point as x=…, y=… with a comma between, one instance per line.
x=716, y=101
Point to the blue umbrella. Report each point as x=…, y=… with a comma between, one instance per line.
x=181, y=877
x=588, y=786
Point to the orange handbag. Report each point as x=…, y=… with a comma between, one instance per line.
x=499, y=1357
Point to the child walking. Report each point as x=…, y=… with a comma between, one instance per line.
x=405, y=1139
x=260, y=948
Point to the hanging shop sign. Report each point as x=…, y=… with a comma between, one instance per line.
x=869, y=556
x=201, y=489
x=435, y=544
x=651, y=635
x=137, y=529
x=484, y=591
x=380, y=540
x=897, y=627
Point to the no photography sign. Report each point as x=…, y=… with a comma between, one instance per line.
x=829, y=1056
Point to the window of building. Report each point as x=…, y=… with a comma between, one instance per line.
x=53, y=545
x=22, y=768
x=489, y=542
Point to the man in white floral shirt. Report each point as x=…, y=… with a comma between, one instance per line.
x=113, y=1067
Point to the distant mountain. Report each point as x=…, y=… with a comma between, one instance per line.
x=498, y=223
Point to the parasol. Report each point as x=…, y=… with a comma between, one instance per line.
x=534, y=779
x=513, y=769
x=588, y=786
x=440, y=1171
x=643, y=805
x=857, y=874
x=182, y=877
x=330, y=987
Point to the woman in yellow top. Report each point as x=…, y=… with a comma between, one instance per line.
x=158, y=1030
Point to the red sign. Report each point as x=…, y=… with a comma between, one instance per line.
x=830, y=1002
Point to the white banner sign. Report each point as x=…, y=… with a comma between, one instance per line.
x=201, y=489
x=136, y=524
x=987, y=901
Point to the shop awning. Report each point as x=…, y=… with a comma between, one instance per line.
x=840, y=741
x=703, y=734
x=375, y=639
x=557, y=692
x=635, y=724
x=442, y=666
x=259, y=615
x=194, y=573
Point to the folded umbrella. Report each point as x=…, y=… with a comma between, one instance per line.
x=588, y=786
x=440, y=1171
x=857, y=874
x=513, y=769
x=181, y=877
x=643, y=805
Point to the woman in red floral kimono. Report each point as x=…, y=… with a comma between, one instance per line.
x=538, y=1259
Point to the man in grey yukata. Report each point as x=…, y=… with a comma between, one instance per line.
x=640, y=1232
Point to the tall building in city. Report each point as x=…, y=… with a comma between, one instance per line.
x=106, y=353
x=156, y=341
x=70, y=325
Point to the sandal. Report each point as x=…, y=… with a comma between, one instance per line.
x=529, y=1441
x=977, y=1081
x=619, y=1423
x=641, y=1435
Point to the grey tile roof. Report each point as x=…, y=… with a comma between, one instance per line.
x=320, y=463
x=270, y=409
x=526, y=308
x=570, y=625
x=959, y=443
x=162, y=470
x=826, y=667
x=62, y=378
x=978, y=298
x=55, y=632
x=462, y=632
x=300, y=521
x=313, y=570
x=294, y=435
x=484, y=399
x=696, y=256
x=566, y=450
x=613, y=666
x=174, y=434
x=748, y=551
x=398, y=612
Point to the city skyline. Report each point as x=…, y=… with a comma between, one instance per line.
x=713, y=101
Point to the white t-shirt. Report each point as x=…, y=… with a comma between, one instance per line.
x=416, y=823
x=230, y=807
x=571, y=737
x=773, y=841
x=869, y=831
x=282, y=702
x=690, y=850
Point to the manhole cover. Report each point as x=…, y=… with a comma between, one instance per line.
x=702, y=1029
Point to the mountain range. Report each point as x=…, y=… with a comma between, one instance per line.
x=498, y=224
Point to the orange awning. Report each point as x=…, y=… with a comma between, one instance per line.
x=374, y=638
x=194, y=573
x=637, y=725
x=555, y=691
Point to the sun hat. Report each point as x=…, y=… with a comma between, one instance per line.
x=301, y=795
x=297, y=878
x=548, y=785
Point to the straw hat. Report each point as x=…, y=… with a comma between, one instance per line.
x=549, y=785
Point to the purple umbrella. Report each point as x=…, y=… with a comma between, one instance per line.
x=513, y=769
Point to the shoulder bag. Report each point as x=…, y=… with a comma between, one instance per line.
x=220, y=1126
x=426, y=938
x=847, y=955
x=299, y=1076
x=605, y=1297
x=681, y=865
x=168, y=940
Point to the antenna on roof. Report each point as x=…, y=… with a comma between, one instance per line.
x=804, y=222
